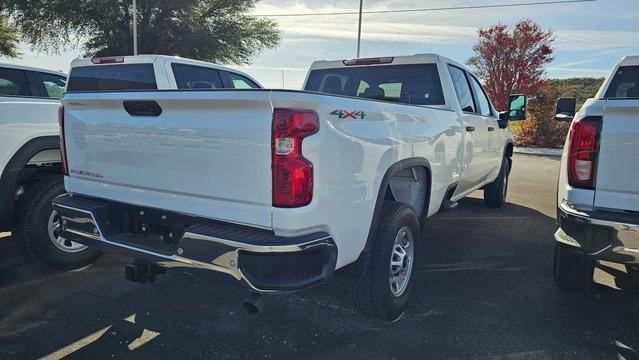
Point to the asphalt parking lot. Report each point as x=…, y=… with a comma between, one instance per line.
x=485, y=291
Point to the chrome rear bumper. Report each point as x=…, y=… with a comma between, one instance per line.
x=603, y=235
x=257, y=258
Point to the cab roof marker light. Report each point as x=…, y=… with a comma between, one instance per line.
x=369, y=61
x=108, y=60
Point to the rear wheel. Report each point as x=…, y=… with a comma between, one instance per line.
x=495, y=192
x=573, y=270
x=388, y=283
x=38, y=232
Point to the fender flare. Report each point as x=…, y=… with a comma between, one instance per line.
x=359, y=266
x=508, y=152
x=11, y=171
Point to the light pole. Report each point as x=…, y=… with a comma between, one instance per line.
x=359, y=26
x=135, y=27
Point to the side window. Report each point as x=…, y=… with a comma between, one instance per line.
x=241, y=82
x=363, y=85
x=52, y=85
x=484, y=104
x=14, y=82
x=196, y=77
x=464, y=95
x=392, y=91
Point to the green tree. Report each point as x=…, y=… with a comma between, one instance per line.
x=210, y=30
x=8, y=39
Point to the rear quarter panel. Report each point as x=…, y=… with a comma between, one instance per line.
x=350, y=157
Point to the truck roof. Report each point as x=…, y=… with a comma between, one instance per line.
x=396, y=60
x=629, y=61
x=31, y=68
x=151, y=58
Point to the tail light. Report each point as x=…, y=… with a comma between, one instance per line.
x=582, y=151
x=63, y=149
x=292, y=173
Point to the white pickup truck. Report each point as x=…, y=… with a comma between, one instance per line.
x=29, y=151
x=278, y=189
x=598, y=192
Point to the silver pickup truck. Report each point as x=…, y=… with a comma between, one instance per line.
x=598, y=192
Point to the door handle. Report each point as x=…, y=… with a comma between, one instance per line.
x=142, y=108
x=490, y=128
x=470, y=128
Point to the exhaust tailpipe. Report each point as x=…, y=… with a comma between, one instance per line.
x=253, y=303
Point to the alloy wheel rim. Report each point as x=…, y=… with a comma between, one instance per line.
x=55, y=235
x=401, y=261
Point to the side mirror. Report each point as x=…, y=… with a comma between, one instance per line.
x=565, y=110
x=517, y=107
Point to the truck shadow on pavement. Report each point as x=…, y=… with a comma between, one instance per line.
x=484, y=290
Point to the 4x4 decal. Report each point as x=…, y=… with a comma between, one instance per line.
x=343, y=114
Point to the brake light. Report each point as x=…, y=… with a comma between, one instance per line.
x=583, y=151
x=368, y=61
x=63, y=148
x=108, y=60
x=292, y=173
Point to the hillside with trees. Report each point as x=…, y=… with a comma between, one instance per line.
x=580, y=88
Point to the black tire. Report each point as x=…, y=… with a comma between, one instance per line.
x=495, y=192
x=374, y=292
x=31, y=233
x=573, y=270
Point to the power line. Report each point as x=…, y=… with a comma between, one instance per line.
x=488, y=6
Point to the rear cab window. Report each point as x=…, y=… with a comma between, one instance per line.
x=416, y=84
x=624, y=84
x=112, y=77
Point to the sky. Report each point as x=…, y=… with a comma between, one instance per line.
x=590, y=37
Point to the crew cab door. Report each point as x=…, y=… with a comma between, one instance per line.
x=492, y=152
x=474, y=166
x=616, y=185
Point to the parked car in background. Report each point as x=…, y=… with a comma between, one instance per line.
x=30, y=165
x=278, y=189
x=29, y=146
x=598, y=192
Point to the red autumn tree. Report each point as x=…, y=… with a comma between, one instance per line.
x=511, y=59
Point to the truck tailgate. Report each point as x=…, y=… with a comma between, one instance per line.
x=617, y=186
x=207, y=154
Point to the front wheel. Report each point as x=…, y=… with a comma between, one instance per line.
x=495, y=192
x=388, y=283
x=38, y=233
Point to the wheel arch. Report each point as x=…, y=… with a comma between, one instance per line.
x=13, y=168
x=508, y=149
x=359, y=267
x=508, y=154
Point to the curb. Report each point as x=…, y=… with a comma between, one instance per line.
x=538, y=151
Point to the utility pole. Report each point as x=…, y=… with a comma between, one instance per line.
x=135, y=27
x=283, y=79
x=359, y=26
